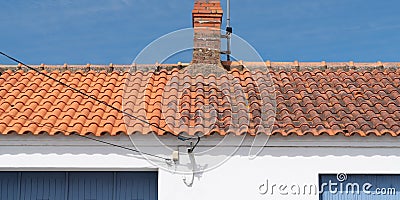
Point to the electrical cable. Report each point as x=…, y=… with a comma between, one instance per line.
x=101, y=141
x=101, y=102
x=84, y=94
x=122, y=147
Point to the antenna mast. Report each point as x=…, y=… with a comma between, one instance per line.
x=229, y=30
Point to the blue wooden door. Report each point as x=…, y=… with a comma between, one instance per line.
x=42, y=185
x=360, y=187
x=9, y=185
x=78, y=185
x=90, y=185
x=136, y=186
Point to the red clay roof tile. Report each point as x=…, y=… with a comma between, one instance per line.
x=308, y=101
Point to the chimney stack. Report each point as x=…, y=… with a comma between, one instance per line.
x=207, y=20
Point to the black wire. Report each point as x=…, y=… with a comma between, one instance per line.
x=102, y=102
x=100, y=141
x=83, y=93
x=122, y=147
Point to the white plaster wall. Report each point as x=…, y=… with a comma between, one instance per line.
x=284, y=160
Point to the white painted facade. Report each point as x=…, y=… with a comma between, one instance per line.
x=293, y=160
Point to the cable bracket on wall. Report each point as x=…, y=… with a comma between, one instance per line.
x=192, y=146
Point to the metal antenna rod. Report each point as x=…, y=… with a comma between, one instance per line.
x=228, y=13
x=228, y=29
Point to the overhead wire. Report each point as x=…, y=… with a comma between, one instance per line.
x=97, y=100
x=84, y=94
x=101, y=141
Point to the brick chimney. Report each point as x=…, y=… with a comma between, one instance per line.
x=207, y=19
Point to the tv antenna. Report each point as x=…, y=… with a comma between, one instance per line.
x=229, y=31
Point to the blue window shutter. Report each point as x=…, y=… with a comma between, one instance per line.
x=78, y=185
x=377, y=181
x=136, y=185
x=9, y=185
x=42, y=185
x=90, y=185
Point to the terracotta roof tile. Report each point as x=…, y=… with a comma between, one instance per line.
x=314, y=101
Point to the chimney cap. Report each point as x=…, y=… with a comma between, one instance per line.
x=208, y=7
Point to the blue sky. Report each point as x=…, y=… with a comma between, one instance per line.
x=105, y=31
